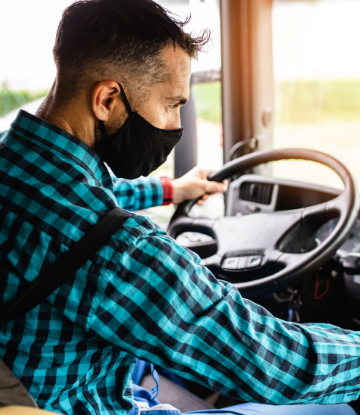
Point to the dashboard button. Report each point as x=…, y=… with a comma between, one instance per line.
x=356, y=279
x=253, y=209
x=242, y=262
x=230, y=263
x=254, y=261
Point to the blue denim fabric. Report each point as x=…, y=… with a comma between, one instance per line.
x=141, y=394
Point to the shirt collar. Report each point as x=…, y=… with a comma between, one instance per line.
x=57, y=140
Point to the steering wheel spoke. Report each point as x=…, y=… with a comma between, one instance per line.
x=328, y=210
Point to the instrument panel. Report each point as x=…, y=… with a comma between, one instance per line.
x=253, y=193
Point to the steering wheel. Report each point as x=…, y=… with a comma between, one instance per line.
x=264, y=252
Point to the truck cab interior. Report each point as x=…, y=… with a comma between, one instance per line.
x=290, y=245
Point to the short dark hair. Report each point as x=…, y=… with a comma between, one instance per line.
x=96, y=38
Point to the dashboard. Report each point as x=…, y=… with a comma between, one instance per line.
x=255, y=194
x=251, y=194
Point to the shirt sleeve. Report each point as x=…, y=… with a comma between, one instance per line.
x=162, y=306
x=139, y=194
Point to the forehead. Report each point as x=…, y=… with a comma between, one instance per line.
x=178, y=64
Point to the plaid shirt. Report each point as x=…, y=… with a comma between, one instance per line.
x=142, y=296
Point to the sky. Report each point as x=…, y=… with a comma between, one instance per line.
x=28, y=29
x=312, y=39
x=27, y=33
x=316, y=39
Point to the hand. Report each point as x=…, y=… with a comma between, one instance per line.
x=194, y=184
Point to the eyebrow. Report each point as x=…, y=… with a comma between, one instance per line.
x=180, y=99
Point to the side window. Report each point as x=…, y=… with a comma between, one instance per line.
x=206, y=88
x=26, y=89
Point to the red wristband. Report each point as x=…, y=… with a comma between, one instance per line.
x=167, y=190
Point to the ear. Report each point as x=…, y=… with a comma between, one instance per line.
x=106, y=99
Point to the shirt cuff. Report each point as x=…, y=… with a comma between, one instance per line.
x=167, y=190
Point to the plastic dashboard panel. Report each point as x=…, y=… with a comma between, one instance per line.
x=289, y=194
x=285, y=195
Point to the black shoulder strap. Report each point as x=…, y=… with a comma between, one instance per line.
x=67, y=264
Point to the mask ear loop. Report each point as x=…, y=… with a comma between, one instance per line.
x=102, y=129
x=126, y=102
x=127, y=106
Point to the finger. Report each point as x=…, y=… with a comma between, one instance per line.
x=207, y=172
x=203, y=173
x=214, y=187
x=202, y=199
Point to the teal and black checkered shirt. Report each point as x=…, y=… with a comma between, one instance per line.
x=141, y=296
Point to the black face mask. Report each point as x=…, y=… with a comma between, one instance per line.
x=139, y=148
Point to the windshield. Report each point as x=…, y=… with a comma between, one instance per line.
x=317, y=85
x=316, y=74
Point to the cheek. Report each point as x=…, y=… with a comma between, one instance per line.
x=173, y=119
x=157, y=115
x=166, y=118
x=169, y=116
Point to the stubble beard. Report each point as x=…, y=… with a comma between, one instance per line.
x=112, y=130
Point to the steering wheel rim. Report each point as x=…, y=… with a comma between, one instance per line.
x=346, y=206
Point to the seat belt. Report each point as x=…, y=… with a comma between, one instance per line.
x=67, y=264
x=12, y=392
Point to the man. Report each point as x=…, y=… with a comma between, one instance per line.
x=123, y=70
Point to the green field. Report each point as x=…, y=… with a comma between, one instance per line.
x=296, y=101
x=10, y=100
x=312, y=100
x=208, y=101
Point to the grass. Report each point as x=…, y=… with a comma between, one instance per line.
x=10, y=100
x=296, y=101
x=313, y=100
x=208, y=101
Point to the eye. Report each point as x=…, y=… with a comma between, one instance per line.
x=169, y=108
x=172, y=106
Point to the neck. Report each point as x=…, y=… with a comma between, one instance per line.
x=70, y=118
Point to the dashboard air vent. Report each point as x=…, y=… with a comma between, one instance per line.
x=256, y=192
